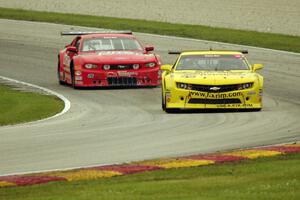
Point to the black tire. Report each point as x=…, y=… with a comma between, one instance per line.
x=172, y=110
x=163, y=103
x=58, y=75
x=256, y=109
x=73, y=78
x=164, y=106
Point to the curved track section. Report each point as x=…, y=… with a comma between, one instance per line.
x=34, y=88
x=120, y=125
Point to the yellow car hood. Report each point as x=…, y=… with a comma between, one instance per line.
x=214, y=77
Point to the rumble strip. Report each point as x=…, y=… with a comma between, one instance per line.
x=150, y=165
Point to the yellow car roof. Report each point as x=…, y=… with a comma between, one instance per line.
x=211, y=52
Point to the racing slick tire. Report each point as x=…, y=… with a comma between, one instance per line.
x=163, y=104
x=73, y=80
x=58, y=75
x=172, y=110
x=168, y=110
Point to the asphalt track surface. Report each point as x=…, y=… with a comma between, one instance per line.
x=120, y=125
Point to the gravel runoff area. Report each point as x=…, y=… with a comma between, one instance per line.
x=274, y=16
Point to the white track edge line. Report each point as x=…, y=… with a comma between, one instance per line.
x=67, y=103
x=60, y=169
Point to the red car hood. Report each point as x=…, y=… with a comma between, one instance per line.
x=115, y=57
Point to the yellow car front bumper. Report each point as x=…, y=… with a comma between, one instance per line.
x=190, y=99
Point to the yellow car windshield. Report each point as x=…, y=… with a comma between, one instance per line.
x=212, y=62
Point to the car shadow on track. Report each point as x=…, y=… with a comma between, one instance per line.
x=207, y=111
x=116, y=88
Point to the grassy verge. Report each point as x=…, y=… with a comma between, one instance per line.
x=265, y=178
x=17, y=107
x=252, y=38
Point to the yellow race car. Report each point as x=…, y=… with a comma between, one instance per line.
x=211, y=79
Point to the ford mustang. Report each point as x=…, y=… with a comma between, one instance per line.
x=107, y=59
x=211, y=79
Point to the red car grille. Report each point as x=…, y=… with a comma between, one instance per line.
x=121, y=67
x=121, y=81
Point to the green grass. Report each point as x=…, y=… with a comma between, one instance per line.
x=266, y=178
x=17, y=107
x=252, y=38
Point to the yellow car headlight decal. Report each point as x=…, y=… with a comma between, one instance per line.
x=244, y=86
x=184, y=86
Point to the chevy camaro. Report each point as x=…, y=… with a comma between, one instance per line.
x=211, y=79
x=107, y=59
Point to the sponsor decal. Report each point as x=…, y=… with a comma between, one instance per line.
x=67, y=69
x=111, y=74
x=215, y=95
x=188, y=76
x=66, y=60
x=78, y=78
x=168, y=96
x=120, y=58
x=125, y=73
x=108, y=53
x=234, y=105
x=68, y=76
x=224, y=73
x=90, y=75
x=77, y=67
x=215, y=88
x=211, y=56
x=78, y=82
x=252, y=93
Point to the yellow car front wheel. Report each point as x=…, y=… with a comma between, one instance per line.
x=163, y=101
x=164, y=105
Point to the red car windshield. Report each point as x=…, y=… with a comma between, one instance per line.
x=110, y=44
x=212, y=62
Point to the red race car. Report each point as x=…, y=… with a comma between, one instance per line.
x=107, y=59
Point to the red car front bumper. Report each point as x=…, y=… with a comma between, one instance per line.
x=116, y=78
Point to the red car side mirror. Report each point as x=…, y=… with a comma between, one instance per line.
x=149, y=48
x=71, y=49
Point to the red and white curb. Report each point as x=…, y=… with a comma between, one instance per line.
x=107, y=171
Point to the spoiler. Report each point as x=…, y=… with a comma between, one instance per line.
x=94, y=32
x=179, y=52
